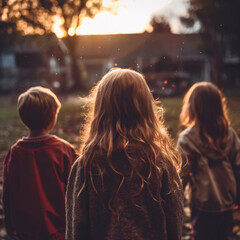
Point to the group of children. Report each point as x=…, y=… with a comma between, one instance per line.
x=127, y=182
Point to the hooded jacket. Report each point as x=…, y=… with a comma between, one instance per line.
x=213, y=177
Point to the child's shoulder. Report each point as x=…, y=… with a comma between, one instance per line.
x=188, y=133
x=56, y=139
x=63, y=144
x=77, y=168
x=16, y=145
x=233, y=136
x=78, y=164
x=232, y=132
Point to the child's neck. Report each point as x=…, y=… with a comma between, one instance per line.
x=38, y=133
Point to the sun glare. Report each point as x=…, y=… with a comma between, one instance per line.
x=132, y=16
x=106, y=23
x=71, y=31
x=106, y=3
x=57, y=27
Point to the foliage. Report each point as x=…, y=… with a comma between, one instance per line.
x=218, y=28
x=41, y=16
x=216, y=16
x=222, y=16
x=160, y=24
x=8, y=34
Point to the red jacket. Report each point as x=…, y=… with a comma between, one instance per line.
x=34, y=183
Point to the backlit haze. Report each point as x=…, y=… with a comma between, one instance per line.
x=129, y=16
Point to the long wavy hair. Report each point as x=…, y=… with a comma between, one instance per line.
x=204, y=106
x=125, y=119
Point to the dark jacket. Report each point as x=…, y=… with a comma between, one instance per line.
x=87, y=219
x=213, y=176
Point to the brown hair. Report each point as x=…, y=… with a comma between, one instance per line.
x=125, y=118
x=205, y=107
x=38, y=107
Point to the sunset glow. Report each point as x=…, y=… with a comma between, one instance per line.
x=57, y=29
x=107, y=23
x=129, y=16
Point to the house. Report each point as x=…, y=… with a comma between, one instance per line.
x=167, y=61
x=153, y=54
x=35, y=60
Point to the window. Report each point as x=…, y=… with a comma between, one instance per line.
x=7, y=61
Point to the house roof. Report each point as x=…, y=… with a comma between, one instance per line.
x=145, y=45
x=35, y=44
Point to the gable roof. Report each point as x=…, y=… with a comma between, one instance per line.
x=35, y=43
x=146, y=45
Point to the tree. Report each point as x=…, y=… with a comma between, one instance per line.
x=8, y=34
x=218, y=29
x=160, y=24
x=44, y=16
x=40, y=16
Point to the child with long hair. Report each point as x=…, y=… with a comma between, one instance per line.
x=211, y=162
x=125, y=185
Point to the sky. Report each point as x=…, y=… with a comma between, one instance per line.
x=132, y=16
x=172, y=10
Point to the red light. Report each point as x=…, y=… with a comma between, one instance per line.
x=163, y=88
x=165, y=82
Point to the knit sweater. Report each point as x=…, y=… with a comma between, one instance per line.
x=141, y=219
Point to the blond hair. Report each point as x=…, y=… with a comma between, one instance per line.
x=38, y=107
x=205, y=107
x=125, y=118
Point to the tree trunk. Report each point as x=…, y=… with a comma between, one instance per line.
x=216, y=59
x=214, y=71
x=72, y=42
x=217, y=65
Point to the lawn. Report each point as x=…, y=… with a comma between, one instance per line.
x=72, y=116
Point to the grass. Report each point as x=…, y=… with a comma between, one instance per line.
x=10, y=127
x=71, y=117
x=172, y=108
x=70, y=121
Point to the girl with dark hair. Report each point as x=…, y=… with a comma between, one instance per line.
x=125, y=185
x=211, y=162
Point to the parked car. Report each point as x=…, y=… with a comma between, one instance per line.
x=168, y=83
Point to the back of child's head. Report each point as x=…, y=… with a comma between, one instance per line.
x=38, y=108
x=123, y=102
x=204, y=106
x=124, y=111
x=125, y=118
